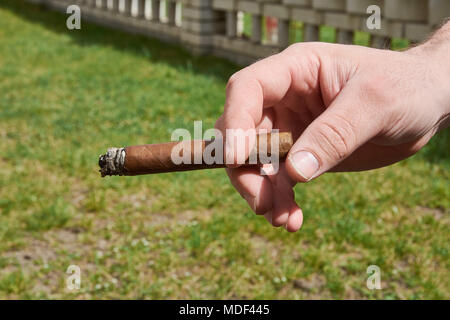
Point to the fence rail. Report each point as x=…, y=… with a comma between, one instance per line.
x=246, y=30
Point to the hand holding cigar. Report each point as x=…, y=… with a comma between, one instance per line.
x=159, y=158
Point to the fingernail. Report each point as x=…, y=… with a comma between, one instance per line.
x=305, y=164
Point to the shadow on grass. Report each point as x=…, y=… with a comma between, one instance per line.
x=152, y=49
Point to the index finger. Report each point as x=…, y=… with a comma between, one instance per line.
x=249, y=91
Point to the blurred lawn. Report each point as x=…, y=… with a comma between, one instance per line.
x=67, y=95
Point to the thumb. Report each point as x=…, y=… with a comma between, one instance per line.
x=346, y=124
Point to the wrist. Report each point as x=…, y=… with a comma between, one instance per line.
x=435, y=52
x=437, y=46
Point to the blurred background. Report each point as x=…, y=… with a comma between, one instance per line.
x=134, y=72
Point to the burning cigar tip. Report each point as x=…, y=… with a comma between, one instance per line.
x=112, y=162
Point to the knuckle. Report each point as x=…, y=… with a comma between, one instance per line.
x=246, y=77
x=301, y=47
x=335, y=137
x=295, y=47
x=233, y=80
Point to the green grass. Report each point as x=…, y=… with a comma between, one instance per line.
x=67, y=95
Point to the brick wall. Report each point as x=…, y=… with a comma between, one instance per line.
x=211, y=26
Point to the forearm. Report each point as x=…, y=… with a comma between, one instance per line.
x=437, y=50
x=440, y=41
x=438, y=45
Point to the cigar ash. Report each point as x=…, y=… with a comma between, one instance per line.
x=112, y=163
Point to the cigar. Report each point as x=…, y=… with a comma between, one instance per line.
x=157, y=158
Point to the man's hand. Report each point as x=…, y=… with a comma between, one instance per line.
x=349, y=108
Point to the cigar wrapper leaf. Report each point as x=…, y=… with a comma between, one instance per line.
x=156, y=158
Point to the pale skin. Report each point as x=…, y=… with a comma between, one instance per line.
x=349, y=108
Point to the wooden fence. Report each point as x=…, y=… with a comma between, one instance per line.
x=247, y=30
